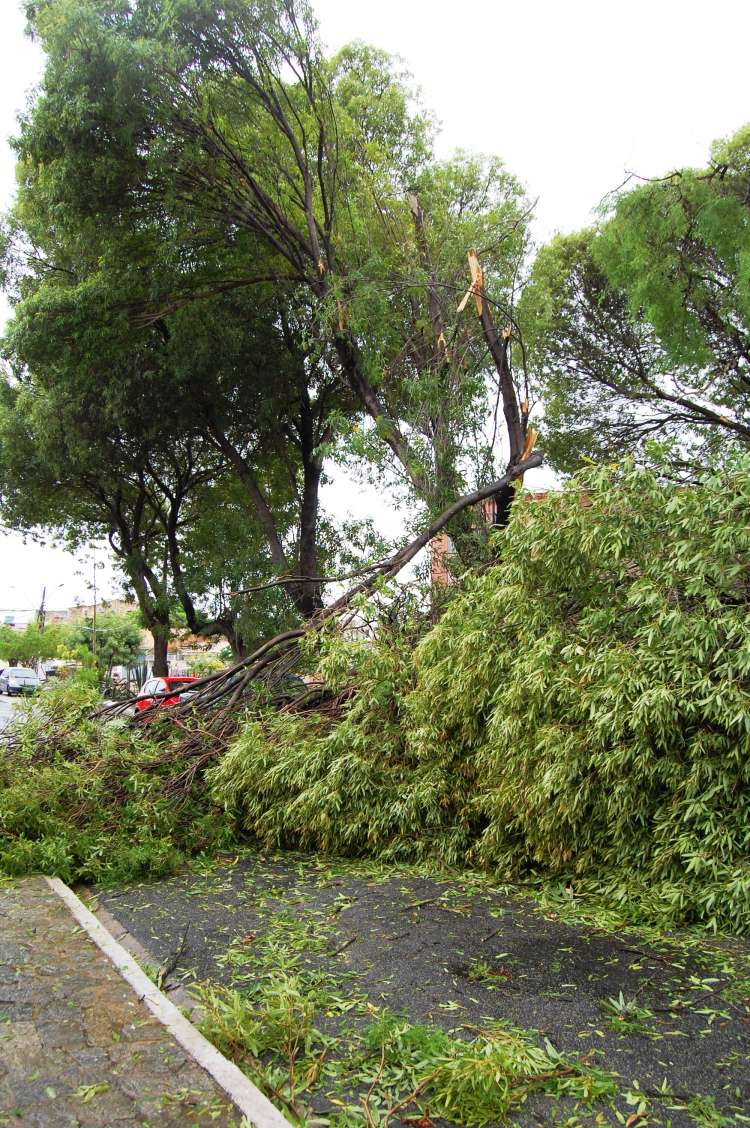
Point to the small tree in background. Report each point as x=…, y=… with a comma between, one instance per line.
x=116, y=642
x=639, y=328
x=32, y=645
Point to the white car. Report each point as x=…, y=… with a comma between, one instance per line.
x=18, y=680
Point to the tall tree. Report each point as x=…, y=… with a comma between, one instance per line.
x=61, y=472
x=233, y=121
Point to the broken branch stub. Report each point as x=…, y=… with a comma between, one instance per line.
x=476, y=290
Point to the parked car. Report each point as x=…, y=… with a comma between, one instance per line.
x=288, y=689
x=17, y=680
x=148, y=692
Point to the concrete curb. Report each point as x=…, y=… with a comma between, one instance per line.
x=171, y=987
x=249, y=1100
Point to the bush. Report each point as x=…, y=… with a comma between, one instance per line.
x=612, y=650
x=204, y=664
x=581, y=710
x=90, y=802
x=347, y=784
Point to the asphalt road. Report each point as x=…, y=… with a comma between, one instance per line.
x=457, y=954
x=8, y=705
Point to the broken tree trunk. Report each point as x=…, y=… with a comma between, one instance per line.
x=521, y=437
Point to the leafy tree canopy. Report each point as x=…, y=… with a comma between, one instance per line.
x=32, y=644
x=115, y=640
x=226, y=150
x=640, y=327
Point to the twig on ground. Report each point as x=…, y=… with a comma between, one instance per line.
x=419, y=904
x=368, y=1095
x=342, y=947
x=174, y=959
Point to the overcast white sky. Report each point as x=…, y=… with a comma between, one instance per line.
x=571, y=94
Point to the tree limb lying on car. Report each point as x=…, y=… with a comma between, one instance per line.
x=228, y=687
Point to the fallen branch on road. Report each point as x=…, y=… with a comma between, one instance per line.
x=217, y=698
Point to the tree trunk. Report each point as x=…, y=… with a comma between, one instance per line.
x=152, y=605
x=160, y=631
x=308, y=597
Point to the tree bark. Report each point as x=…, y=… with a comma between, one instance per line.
x=308, y=595
x=149, y=592
x=160, y=632
x=515, y=422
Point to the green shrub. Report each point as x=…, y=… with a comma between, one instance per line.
x=88, y=801
x=347, y=785
x=581, y=710
x=612, y=648
x=356, y=783
x=202, y=665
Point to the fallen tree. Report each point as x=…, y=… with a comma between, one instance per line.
x=578, y=715
x=218, y=696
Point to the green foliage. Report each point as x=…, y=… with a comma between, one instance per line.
x=348, y=785
x=640, y=327
x=704, y=1113
x=480, y=1080
x=118, y=640
x=90, y=802
x=128, y=162
x=397, y=1064
x=626, y=1016
x=278, y=1020
x=32, y=644
x=205, y=664
x=581, y=710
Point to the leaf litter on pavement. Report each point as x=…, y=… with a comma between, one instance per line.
x=356, y=993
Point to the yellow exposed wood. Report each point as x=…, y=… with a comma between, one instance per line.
x=476, y=290
x=528, y=446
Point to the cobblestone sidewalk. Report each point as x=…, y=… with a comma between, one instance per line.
x=77, y=1047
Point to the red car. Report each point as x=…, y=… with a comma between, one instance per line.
x=147, y=698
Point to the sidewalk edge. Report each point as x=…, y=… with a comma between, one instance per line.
x=172, y=988
x=248, y=1099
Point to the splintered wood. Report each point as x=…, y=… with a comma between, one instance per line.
x=476, y=289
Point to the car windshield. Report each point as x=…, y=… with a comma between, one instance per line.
x=22, y=675
x=176, y=683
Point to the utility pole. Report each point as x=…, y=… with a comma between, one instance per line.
x=41, y=614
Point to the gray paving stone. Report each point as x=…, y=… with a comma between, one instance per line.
x=77, y=1047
